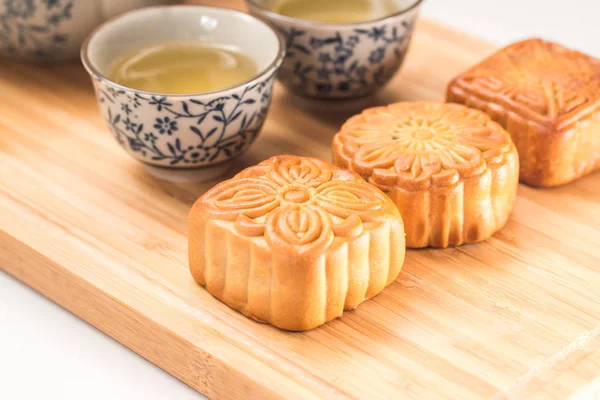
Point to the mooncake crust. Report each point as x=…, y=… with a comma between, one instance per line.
x=548, y=97
x=451, y=171
x=295, y=241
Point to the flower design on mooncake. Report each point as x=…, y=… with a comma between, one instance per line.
x=294, y=241
x=544, y=77
x=298, y=203
x=420, y=144
x=432, y=159
x=548, y=97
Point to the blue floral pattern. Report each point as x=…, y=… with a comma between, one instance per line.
x=168, y=131
x=344, y=63
x=34, y=28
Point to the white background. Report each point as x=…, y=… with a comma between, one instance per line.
x=45, y=352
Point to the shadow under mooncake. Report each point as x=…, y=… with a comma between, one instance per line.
x=295, y=241
x=451, y=170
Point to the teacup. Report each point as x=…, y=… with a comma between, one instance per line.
x=192, y=130
x=340, y=61
x=53, y=30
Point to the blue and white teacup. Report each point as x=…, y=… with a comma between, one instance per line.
x=53, y=30
x=341, y=60
x=192, y=130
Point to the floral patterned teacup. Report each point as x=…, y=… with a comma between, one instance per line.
x=53, y=30
x=341, y=60
x=184, y=131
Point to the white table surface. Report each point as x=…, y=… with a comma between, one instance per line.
x=46, y=352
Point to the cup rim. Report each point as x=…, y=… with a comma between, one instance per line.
x=93, y=71
x=319, y=24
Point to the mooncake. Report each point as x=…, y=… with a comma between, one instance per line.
x=451, y=171
x=548, y=98
x=295, y=241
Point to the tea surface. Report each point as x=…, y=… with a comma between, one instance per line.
x=182, y=68
x=335, y=11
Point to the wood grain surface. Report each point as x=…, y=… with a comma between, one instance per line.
x=517, y=316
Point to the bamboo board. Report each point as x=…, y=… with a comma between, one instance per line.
x=82, y=223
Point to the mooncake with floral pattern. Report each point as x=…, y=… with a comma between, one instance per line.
x=548, y=98
x=451, y=171
x=295, y=241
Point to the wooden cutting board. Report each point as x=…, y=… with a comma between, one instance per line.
x=82, y=223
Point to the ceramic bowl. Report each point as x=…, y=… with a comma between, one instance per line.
x=341, y=60
x=192, y=130
x=53, y=30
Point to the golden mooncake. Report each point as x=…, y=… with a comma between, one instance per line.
x=295, y=241
x=451, y=170
x=548, y=98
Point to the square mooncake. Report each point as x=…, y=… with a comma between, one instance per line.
x=295, y=241
x=548, y=98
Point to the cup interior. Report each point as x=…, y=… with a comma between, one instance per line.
x=267, y=6
x=153, y=25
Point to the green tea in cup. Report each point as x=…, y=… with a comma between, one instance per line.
x=182, y=68
x=335, y=11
